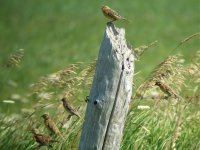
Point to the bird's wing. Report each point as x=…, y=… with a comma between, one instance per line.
x=40, y=138
x=51, y=124
x=113, y=13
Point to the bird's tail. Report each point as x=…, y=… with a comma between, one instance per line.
x=126, y=19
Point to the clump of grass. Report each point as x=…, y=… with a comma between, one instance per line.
x=69, y=81
x=177, y=131
x=74, y=79
x=168, y=71
x=158, y=124
x=192, y=70
x=67, y=78
x=166, y=125
x=59, y=79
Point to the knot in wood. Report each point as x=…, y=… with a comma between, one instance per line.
x=98, y=103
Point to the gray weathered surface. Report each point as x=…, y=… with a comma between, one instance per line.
x=110, y=93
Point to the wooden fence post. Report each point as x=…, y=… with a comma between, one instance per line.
x=110, y=94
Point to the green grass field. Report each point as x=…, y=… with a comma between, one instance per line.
x=55, y=34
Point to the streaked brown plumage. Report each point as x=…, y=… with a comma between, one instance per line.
x=166, y=89
x=111, y=14
x=42, y=139
x=69, y=108
x=51, y=126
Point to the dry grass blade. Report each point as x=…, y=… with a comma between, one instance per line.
x=61, y=78
x=15, y=59
x=192, y=72
x=140, y=50
x=82, y=79
x=187, y=39
x=193, y=69
x=86, y=74
x=176, y=131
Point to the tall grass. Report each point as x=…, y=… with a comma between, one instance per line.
x=153, y=122
x=61, y=32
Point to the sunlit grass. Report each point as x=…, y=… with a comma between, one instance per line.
x=152, y=122
x=59, y=33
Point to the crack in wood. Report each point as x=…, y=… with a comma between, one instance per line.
x=112, y=112
x=114, y=105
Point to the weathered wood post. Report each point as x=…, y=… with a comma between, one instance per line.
x=110, y=93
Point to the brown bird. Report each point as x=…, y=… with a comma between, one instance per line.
x=167, y=89
x=69, y=108
x=51, y=126
x=42, y=139
x=111, y=14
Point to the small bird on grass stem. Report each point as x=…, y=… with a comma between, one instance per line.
x=51, y=126
x=111, y=14
x=69, y=108
x=167, y=89
x=42, y=139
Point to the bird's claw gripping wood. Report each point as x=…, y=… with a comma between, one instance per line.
x=87, y=99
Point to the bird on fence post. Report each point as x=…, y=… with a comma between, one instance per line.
x=69, y=108
x=51, y=126
x=42, y=139
x=111, y=14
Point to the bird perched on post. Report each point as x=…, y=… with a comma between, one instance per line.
x=167, y=89
x=42, y=139
x=111, y=14
x=69, y=108
x=51, y=126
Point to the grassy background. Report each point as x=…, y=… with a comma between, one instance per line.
x=54, y=34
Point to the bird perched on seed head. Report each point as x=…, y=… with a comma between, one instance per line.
x=167, y=89
x=42, y=139
x=51, y=126
x=111, y=14
x=69, y=108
